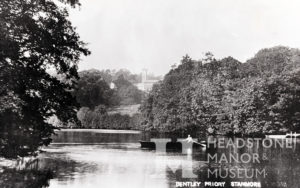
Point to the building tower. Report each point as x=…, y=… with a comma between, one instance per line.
x=144, y=75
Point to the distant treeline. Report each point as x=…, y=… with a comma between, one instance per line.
x=95, y=94
x=257, y=97
x=111, y=75
x=94, y=88
x=99, y=118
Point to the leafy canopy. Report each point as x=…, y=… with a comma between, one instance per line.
x=36, y=38
x=257, y=97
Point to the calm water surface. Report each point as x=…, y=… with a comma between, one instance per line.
x=96, y=158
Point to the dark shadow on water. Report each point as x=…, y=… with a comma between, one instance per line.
x=64, y=169
x=12, y=178
x=44, y=169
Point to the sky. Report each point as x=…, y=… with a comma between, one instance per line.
x=156, y=34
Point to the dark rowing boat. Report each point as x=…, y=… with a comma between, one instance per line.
x=170, y=145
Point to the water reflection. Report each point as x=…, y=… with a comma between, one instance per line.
x=110, y=159
x=11, y=178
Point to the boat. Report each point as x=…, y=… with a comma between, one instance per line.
x=149, y=145
x=169, y=145
x=295, y=135
x=291, y=135
x=276, y=136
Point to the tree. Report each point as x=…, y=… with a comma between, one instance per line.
x=253, y=98
x=35, y=36
x=126, y=92
x=92, y=90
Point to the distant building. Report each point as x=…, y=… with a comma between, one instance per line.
x=146, y=85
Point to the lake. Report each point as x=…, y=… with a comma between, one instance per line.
x=114, y=159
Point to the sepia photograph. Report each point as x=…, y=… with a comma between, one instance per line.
x=149, y=94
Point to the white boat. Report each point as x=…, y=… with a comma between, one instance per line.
x=276, y=136
x=291, y=135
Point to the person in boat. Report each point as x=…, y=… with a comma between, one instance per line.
x=189, y=139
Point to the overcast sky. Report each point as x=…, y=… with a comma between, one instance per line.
x=155, y=34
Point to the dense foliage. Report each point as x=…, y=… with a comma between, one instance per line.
x=100, y=118
x=35, y=37
x=94, y=88
x=97, y=98
x=126, y=93
x=256, y=97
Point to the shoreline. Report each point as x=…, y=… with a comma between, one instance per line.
x=100, y=131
